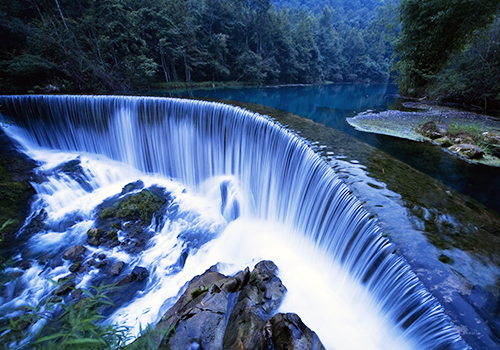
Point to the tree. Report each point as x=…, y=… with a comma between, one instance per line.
x=433, y=30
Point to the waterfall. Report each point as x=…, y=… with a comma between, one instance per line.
x=262, y=173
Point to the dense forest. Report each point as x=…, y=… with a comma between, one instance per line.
x=124, y=44
x=450, y=50
x=442, y=49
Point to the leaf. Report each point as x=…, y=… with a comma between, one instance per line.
x=85, y=341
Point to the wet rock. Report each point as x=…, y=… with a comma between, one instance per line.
x=132, y=187
x=75, y=267
x=140, y=273
x=288, y=332
x=64, y=289
x=94, y=236
x=199, y=314
x=37, y=223
x=101, y=256
x=223, y=312
x=468, y=151
x=257, y=301
x=117, y=268
x=77, y=293
x=75, y=252
x=83, y=269
x=126, y=280
x=101, y=264
x=25, y=264
x=75, y=171
x=16, y=274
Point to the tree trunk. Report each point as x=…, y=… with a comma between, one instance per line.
x=62, y=17
x=165, y=67
x=187, y=69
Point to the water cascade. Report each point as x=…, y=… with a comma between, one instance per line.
x=245, y=188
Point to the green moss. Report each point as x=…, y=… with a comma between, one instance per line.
x=14, y=196
x=108, y=213
x=142, y=205
x=138, y=206
x=112, y=234
x=197, y=292
x=95, y=233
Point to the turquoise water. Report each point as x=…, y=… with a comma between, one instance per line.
x=331, y=104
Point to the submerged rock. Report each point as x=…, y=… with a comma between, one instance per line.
x=138, y=274
x=232, y=312
x=117, y=268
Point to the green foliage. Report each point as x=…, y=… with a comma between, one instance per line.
x=473, y=76
x=74, y=325
x=431, y=32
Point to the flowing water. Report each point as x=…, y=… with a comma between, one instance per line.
x=243, y=188
x=332, y=104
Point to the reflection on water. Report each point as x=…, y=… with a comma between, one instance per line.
x=331, y=104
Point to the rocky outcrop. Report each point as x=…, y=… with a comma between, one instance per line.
x=468, y=151
x=238, y=312
x=432, y=130
x=16, y=192
x=123, y=220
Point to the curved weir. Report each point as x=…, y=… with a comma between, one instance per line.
x=262, y=173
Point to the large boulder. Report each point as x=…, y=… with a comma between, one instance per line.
x=289, y=332
x=232, y=312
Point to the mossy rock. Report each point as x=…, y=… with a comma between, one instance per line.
x=108, y=213
x=444, y=141
x=112, y=234
x=133, y=207
x=468, y=151
x=95, y=233
x=431, y=130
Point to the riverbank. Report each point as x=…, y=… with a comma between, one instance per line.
x=405, y=124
